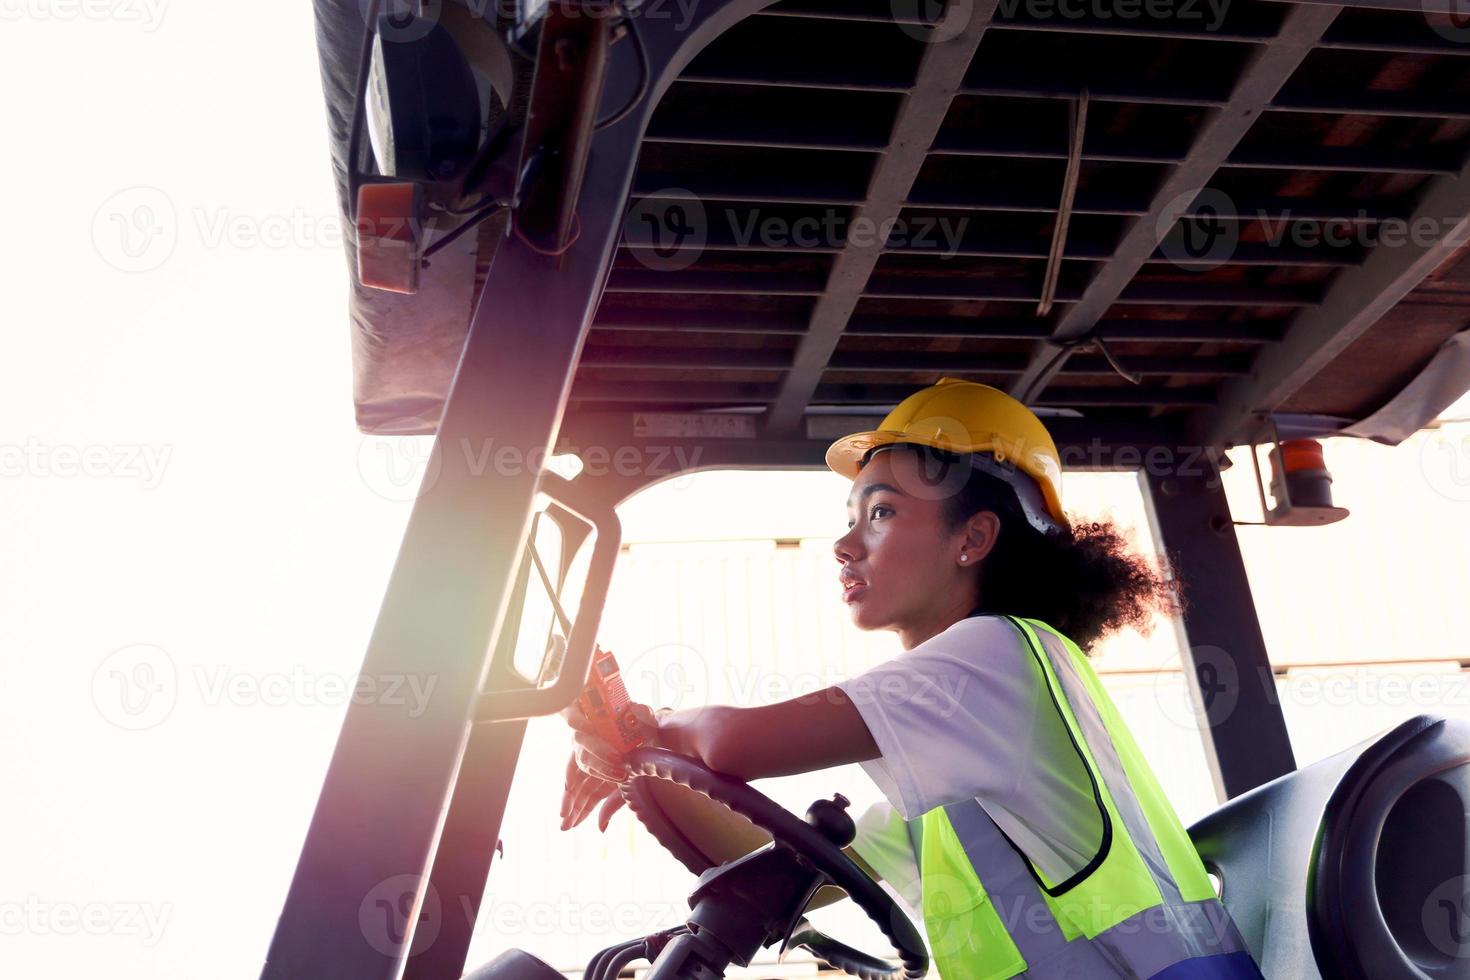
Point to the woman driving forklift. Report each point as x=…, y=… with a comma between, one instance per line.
x=1021, y=820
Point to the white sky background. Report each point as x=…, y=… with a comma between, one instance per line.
x=222, y=530
x=260, y=550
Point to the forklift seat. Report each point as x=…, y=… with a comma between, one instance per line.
x=1353, y=868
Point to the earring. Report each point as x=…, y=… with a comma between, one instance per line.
x=964, y=557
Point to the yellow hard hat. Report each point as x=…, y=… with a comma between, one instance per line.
x=968, y=417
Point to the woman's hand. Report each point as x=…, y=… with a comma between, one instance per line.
x=595, y=768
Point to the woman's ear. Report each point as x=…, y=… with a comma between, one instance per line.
x=981, y=532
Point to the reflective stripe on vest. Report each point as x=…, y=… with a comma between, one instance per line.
x=1144, y=902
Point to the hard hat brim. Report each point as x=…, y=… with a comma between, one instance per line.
x=844, y=455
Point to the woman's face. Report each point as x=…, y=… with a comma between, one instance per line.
x=901, y=565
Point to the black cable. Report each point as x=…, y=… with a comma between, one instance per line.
x=643, y=79
x=1113, y=363
x=601, y=958
x=649, y=947
x=615, y=963
x=495, y=144
x=460, y=212
x=1065, y=346
x=474, y=220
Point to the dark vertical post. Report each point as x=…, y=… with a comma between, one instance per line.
x=1226, y=664
x=358, y=905
x=358, y=894
x=467, y=846
x=476, y=809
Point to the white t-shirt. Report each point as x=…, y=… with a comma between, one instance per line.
x=968, y=714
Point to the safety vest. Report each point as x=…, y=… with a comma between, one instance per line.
x=1142, y=907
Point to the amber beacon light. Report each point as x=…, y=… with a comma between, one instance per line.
x=1300, y=484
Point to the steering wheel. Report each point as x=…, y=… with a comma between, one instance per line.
x=809, y=843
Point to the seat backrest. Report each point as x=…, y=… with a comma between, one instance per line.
x=1388, y=883
x=1313, y=866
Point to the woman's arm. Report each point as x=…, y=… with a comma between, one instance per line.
x=814, y=731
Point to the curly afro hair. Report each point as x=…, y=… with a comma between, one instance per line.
x=1085, y=582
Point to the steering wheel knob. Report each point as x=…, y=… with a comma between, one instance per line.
x=818, y=841
x=830, y=817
